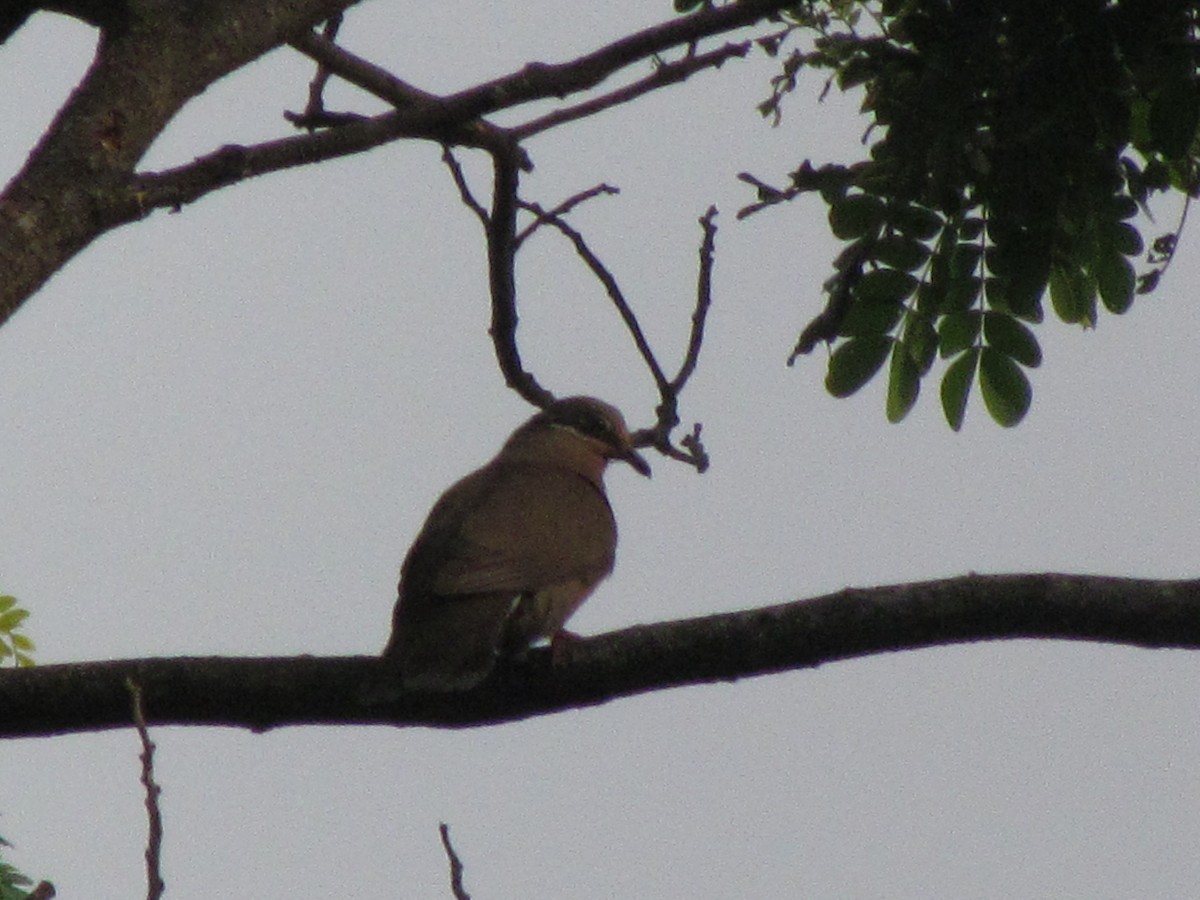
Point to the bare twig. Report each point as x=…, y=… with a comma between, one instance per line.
x=606, y=278
x=464, y=189
x=315, y=115
x=154, y=881
x=456, y=866
x=768, y=195
x=565, y=207
x=373, y=79
x=383, y=84
x=703, y=299
x=667, y=414
x=693, y=451
x=501, y=244
x=691, y=443
x=663, y=75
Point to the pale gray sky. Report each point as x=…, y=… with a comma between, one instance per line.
x=222, y=429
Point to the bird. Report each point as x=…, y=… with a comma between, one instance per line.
x=509, y=552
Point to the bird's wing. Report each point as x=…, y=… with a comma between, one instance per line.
x=518, y=528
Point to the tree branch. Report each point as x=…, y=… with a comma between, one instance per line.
x=79, y=182
x=611, y=287
x=501, y=227
x=267, y=693
x=665, y=74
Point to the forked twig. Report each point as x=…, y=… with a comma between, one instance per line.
x=606, y=278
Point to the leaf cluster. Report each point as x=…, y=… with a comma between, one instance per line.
x=14, y=644
x=12, y=882
x=1011, y=148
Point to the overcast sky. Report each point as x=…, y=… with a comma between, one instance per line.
x=221, y=430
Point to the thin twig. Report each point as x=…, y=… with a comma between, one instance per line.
x=358, y=71
x=693, y=451
x=456, y=866
x=703, y=299
x=403, y=96
x=565, y=207
x=666, y=74
x=464, y=189
x=606, y=278
x=315, y=115
x=501, y=243
x=154, y=881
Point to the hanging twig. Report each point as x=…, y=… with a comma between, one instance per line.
x=464, y=189
x=501, y=244
x=456, y=866
x=154, y=881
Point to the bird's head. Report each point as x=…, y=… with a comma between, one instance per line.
x=578, y=427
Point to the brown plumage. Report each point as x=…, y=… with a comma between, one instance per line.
x=509, y=552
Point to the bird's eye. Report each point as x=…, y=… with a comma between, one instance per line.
x=595, y=426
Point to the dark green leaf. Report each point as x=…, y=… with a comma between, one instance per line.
x=900, y=252
x=1073, y=296
x=855, y=215
x=12, y=619
x=920, y=341
x=904, y=384
x=930, y=297
x=965, y=260
x=7, y=602
x=917, y=222
x=854, y=363
x=1012, y=338
x=856, y=71
x=1024, y=288
x=1125, y=207
x=956, y=387
x=1126, y=239
x=957, y=331
x=1174, y=116
x=885, y=286
x=962, y=293
x=1139, y=124
x=870, y=318
x=1116, y=281
x=971, y=229
x=1006, y=390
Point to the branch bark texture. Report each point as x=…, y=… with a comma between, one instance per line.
x=264, y=693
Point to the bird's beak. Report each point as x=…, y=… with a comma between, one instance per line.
x=636, y=460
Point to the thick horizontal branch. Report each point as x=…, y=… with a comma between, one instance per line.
x=268, y=693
